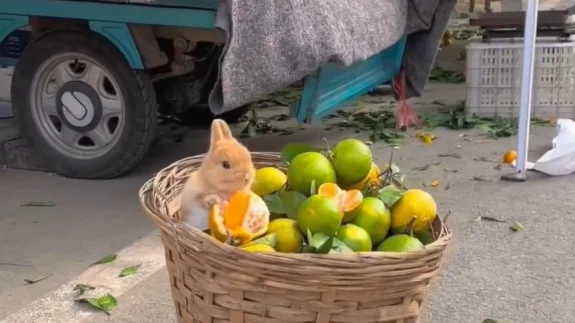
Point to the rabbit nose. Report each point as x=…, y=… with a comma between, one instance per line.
x=247, y=177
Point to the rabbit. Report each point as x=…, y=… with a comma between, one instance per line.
x=226, y=169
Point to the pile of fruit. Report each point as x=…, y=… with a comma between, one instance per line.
x=330, y=201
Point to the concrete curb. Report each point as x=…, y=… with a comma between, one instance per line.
x=60, y=306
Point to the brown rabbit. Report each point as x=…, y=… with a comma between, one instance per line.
x=226, y=169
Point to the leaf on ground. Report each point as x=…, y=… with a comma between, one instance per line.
x=451, y=170
x=480, y=179
x=291, y=201
x=435, y=183
x=129, y=271
x=390, y=194
x=106, y=259
x=517, y=227
x=422, y=168
x=36, y=279
x=447, y=187
x=490, y=219
x=493, y=321
x=497, y=167
x=81, y=288
x=452, y=155
x=39, y=204
x=105, y=303
x=274, y=203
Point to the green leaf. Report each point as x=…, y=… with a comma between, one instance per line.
x=389, y=195
x=36, y=279
x=39, y=204
x=321, y=243
x=92, y=301
x=307, y=249
x=129, y=271
x=106, y=260
x=517, y=227
x=274, y=203
x=340, y=247
x=270, y=240
x=107, y=303
x=309, y=237
x=81, y=288
x=313, y=190
x=291, y=201
x=293, y=149
x=325, y=247
x=493, y=321
x=425, y=237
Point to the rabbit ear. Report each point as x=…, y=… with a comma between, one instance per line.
x=220, y=131
x=225, y=129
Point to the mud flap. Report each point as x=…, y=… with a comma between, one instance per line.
x=334, y=86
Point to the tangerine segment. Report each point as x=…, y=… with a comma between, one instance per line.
x=329, y=190
x=245, y=217
x=347, y=200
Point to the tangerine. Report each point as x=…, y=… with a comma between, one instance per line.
x=319, y=214
x=374, y=217
x=510, y=157
x=307, y=168
x=352, y=161
x=356, y=238
x=400, y=243
x=289, y=238
x=414, y=204
x=245, y=217
x=268, y=180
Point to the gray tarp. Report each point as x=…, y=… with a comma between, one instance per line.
x=274, y=43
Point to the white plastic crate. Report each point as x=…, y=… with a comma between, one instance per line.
x=494, y=78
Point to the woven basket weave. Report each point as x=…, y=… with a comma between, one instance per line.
x=215, y=283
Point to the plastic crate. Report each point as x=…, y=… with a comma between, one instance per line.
x=494, y=78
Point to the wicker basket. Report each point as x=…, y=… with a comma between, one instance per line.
x=215, y=283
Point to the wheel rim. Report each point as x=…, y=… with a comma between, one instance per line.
x=77, y=105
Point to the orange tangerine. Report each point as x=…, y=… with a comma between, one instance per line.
x=245, y=217
x=510, y=157
x=348, y=201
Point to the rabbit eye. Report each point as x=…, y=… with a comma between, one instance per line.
x=226, y=164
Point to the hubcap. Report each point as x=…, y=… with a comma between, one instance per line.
x=77, y=105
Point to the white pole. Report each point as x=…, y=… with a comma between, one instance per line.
x=526, y=91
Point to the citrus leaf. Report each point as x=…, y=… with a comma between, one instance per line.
x=129, y=271
x=517, y=227
x=389, y=195
x=313, y=190
x=307, y=249
x=39, y=204
x=340, y=247
x=92, y=301
x=293, y=149
x=274, y=203
x=270, y=240
x=325, y=247
x=81, y=288
x=107, y=303
x=309, y=237
x=106, y=259
x=36, y=279
x=321, y=243
x=425, y=237
x=291, y=201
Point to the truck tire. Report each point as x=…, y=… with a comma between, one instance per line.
x=81, y=107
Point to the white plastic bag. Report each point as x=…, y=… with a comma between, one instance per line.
x=561, y=159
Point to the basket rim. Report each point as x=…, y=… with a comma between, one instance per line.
x=180, y=230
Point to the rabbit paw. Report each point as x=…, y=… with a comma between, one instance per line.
x=211, y=200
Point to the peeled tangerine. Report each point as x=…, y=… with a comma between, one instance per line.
x=371, y=179
x=348, y=201
x=245, y=217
